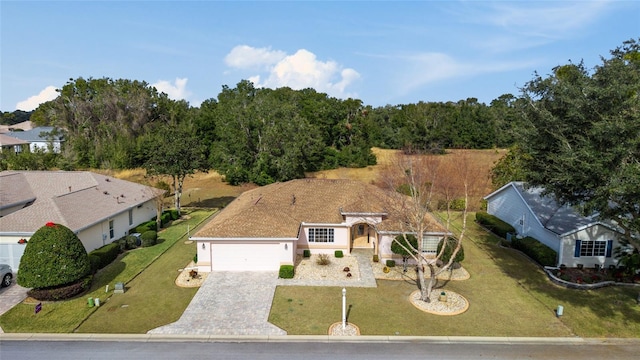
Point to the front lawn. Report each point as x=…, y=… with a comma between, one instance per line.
x=67, y=316
x=508, y=295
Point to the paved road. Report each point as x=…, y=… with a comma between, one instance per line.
x=278, y=348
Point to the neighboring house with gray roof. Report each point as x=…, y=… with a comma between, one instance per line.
x=98, y=208
x=12, y=144
x=43, y=137
x=577, y=239
x=268, y=226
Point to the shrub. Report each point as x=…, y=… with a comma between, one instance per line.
x=536, y=250
x=61, y=292
x=376, y=258
x=338, y=254
x=391, y=263
x=149, y=238
x=53, y=257
x=174, y=214
x=494, y=224
x=165, y=218
x=286, y=272
x=195, y=258
x=149, y=225
x=306, y=253
x=104, y=256
x=448, y=251
x=323, y=259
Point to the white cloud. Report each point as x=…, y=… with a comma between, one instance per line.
x=176, y=91
x=49, y=93
x=243, y=57
x=298, y=71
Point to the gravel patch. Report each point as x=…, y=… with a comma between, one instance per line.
x=455, y=303
x=397, y=273
x=309, y=269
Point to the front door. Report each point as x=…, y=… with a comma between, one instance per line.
x=361, y=236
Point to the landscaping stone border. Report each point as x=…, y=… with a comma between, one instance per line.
x=456, y=304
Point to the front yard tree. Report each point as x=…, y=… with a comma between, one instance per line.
x=54, y=257
x=416, y=184
x=585, y=147
x=174, y=150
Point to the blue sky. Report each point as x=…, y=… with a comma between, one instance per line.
x=379, y=52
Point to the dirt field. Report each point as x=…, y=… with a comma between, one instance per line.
x=208, y=189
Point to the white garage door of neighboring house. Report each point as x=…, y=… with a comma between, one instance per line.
x=10, y=254
x=246, y=257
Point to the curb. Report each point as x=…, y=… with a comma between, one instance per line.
x=320, y=338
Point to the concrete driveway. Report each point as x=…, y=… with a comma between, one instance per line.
x=229, y=303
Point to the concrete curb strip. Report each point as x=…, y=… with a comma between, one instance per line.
x=316, y=338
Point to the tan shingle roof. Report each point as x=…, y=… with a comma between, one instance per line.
x=74, y=199
x=277, y=210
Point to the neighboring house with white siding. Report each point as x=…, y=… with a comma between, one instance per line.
x=575, y=238
x=268, y=226
x=97, y=208
x=46, y=138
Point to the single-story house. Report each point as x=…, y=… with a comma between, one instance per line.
x=12, y=144
x=97, y=208
x=576, y=239
x=43, y=137
x=268, y=226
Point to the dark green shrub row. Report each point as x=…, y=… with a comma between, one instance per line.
x=286, y=272
x=149, y=238
x=149, y=225
x=103, y=256
x=391, y=263
x=127, y=242
x=338, y=254
x=536, y=250
x=165, y=218
x=306, y=253
x=62, y=292
x=494, y=224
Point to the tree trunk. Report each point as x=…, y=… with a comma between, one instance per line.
x=179, y=193
x=424, y=291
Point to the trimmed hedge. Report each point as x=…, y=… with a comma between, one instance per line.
x=165, y=218
x=286, y=272
x=149, y=238
x=494, y=224
x=536, y=250
x=338, y=254
x=174, y=214
x=103, y=256
x=306, y=253
x=391, y=263
x=146, y=226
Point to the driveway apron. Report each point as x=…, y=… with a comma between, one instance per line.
x=11, y=296
x=229, y=303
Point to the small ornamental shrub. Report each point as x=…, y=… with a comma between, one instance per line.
x=494, y=224
x=448, y=251
x=165, y=218
x=391, y=263
x=376, y=258
x=195, y=258
x=323, y=259
x=149, y=225
x=286, y=272
x=174, y=214
x=338, y=254
x=306, y=253
x=149, y=238
x=53, y=257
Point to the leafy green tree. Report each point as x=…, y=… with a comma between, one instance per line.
x=54, y=257
x=510, y=167
x=584, y=146
x=174, y=150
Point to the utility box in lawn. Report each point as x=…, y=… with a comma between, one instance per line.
x=119, y=288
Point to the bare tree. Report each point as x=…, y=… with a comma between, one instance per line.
x=417, y=184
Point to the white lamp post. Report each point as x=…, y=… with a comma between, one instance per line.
x=344, y=308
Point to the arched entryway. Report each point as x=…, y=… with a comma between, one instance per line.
x=363, y=236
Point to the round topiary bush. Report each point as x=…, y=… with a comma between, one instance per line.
x=54, y=257
x=448, y=251
x=149, y=238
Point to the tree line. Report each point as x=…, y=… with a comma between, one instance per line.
x=257, y=135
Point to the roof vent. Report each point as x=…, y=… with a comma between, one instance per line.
x=105, y=192
x=107, y=179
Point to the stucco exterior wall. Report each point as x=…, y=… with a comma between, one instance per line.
x=341, y=236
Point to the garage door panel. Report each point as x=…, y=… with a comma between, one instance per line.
x=245, y=257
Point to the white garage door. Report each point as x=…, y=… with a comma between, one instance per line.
x=246, y=257
x=10, y=254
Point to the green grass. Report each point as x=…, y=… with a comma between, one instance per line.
x=68, y=316
x=508, y=295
